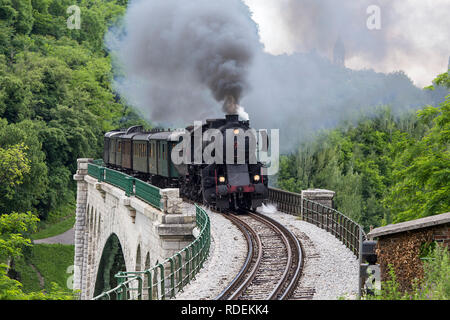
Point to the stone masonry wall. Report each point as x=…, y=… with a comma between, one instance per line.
x=146, y=234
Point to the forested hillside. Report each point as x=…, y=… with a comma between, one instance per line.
x=384, y=168
x=55, y=98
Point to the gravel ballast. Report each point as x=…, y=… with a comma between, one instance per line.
x=226, y=257
x=330, y=269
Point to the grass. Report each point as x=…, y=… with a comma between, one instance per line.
x=57, y=223
x=52, y=262
x=55, y=229
x=28, y=276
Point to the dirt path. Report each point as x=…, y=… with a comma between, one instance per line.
x=41, y=278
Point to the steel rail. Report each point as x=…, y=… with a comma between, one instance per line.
x=253, y=241
x=295, y=266
x=291, y=273
x=289, y=262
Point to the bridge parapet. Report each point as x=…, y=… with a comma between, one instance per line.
x=111, y=203
x=315, y=206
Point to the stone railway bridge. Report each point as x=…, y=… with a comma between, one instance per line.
x=123, y=224
x=114, y=232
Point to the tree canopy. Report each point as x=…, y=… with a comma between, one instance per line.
x=56, y=99
x=384, y=168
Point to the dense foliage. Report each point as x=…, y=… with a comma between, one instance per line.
x=383, y=168
x=14, y=231
x=56, y=101
x=56, y=98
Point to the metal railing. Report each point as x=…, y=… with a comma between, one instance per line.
x=147, y=193
x=350, y=233
x=129, y=184
x=167, y=278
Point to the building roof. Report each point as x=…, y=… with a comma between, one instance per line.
x=410, y=225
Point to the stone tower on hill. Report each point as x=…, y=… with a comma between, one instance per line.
x=339, y=53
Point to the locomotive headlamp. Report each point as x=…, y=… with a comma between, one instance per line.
x=256, y=177
x=236, y=131
x=221, y=179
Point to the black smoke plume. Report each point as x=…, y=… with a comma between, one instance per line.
x=178, y=56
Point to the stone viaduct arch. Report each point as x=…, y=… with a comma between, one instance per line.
x=109, y=225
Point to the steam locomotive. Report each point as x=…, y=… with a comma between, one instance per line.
x=235, y=182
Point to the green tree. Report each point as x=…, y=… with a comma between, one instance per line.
x=24, y=17
x=13, y=166
x=35, y=182
x=55, y=94
x=384, y=168
x=14, y=231
x=422, y=171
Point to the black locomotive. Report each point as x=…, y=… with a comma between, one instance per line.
x=229, y=182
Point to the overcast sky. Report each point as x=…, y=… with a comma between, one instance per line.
x=414, y=34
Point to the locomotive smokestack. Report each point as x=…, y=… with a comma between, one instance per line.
x=231, y=107
x=232, y=117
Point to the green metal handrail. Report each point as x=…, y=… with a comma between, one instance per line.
x=171, y=275
x=98, y=162
x=132, y=186
x=148, y=193
x=120, y=180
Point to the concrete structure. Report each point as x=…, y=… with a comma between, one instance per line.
x=145, y=234
x=322, y=196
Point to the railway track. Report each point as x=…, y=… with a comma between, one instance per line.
x=274, y=261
